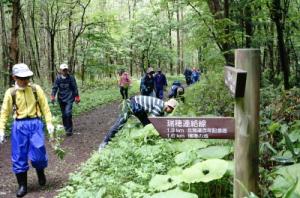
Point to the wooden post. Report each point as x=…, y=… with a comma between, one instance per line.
x=246, y=113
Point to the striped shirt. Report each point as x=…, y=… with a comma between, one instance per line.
x=151, y=105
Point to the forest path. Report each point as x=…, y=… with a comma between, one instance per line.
x=89, y=130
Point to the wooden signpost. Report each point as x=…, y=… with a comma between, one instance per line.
x=243, y=82
x=235, y=79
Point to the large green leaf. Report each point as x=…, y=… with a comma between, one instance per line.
x=142, y=133
x=214, y=152
x=174, y=194
x=163, y=182
x=176, y=171
x=205, y=171
x=287, y=176
x=189, y=145
x=185, y=157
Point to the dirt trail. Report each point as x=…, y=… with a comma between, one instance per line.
x=89, y=131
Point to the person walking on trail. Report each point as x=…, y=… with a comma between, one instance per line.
x=139, y=106
x=27, y=102
x=160, y=82
x=124, y=83
x=195, y=75
x=147, y=83
x=188, y=76
x=177, y=91
x=66, y=87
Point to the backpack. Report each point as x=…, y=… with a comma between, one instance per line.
x=13, y=91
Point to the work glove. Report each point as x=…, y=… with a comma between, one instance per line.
x=50, y=129
x=1, y=136
x=77, y=99
x=52, y=99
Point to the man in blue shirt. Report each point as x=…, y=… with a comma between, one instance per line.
x=66, y=86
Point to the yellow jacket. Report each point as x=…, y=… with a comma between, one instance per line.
x=26, y=105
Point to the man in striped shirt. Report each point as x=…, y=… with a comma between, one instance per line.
x=140, y=107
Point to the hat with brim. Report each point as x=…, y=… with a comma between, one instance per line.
x=63, y=66
x=21, y=70
x=150, y=70
x=171, y=103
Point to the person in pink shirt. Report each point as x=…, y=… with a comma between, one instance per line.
x=124, y=83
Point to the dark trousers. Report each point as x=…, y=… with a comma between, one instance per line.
x=124, y=92
x=66, y=111
x=134, y=109
x=159, y=93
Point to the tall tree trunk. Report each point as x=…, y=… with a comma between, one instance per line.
x=178, y=37
x=70, y=24
x=181, y=43
x=14, y=44
x=223, y=44
x=170, y=17
x=131, y=15
x=27, y=53
x=277, y=17
x=5, y=51
x=52, y=56
x=38, y=58
x=248, y=25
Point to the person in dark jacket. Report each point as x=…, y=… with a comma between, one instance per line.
x=160, y=81
x=139, y=106
x=66, y=86
x=177, y=91
x=147, y=83
x=188, y=76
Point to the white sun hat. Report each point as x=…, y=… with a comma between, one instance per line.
x=63, y=66
x=172, y=103
x=21, y=70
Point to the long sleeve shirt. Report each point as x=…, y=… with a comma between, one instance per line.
x=66, y=88
x=26, y=105
x=124, y=80
x=147, y=85
x=151, y=105
x=160, y=81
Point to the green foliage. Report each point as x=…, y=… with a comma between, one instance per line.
x=137, y=163
x=209, y=97
x=174, y=194
x=286, y=181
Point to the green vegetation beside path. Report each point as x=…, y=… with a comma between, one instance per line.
x=138, y=163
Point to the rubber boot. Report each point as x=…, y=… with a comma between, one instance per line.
x=22, y=181
x=69, y=125
x=41, y=177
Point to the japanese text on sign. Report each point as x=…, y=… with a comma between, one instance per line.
x=195, y=128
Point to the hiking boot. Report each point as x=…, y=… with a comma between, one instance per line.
x=22, y=181
x=41, y=177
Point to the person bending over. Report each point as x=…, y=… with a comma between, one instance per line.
x=177, y=91
x=140, y=107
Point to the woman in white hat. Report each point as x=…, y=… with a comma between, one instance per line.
x=28, y=102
